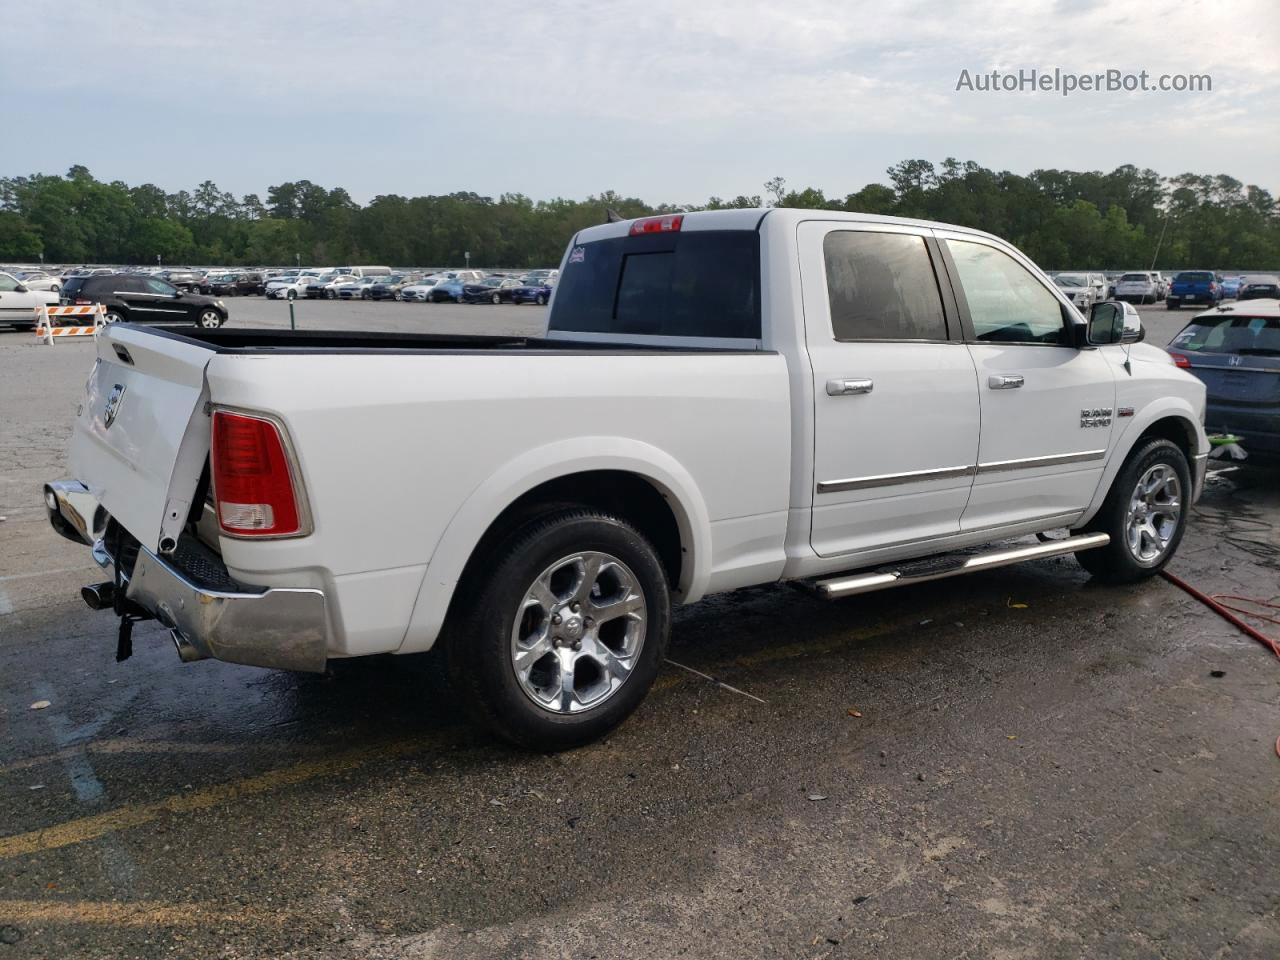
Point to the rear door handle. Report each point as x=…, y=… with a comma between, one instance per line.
x=1005, y=381
x=848, y=387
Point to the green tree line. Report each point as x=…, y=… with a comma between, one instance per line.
x=1129, y=217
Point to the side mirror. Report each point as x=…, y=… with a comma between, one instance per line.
x=20, y=288
x=1113, y=322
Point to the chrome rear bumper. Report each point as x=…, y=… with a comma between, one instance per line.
x=277, y=627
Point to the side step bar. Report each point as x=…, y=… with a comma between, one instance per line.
x=938, y=568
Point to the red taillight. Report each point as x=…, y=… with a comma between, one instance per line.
x=252, y=484
x=1181, y=360
x=667, y=224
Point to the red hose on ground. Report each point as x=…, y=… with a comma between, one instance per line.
x=1227, y=615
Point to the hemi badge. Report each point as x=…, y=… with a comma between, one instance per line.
x=1125, y=412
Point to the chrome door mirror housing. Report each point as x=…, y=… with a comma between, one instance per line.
x=1113, y=322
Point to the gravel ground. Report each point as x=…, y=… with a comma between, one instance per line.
x=1015, y=764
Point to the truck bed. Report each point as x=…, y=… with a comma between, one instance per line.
x=243, y=340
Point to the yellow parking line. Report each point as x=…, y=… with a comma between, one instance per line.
x=143, y=913
x=133, y=815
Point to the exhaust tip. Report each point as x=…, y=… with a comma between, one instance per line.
x=187, y=651
x=99, y=596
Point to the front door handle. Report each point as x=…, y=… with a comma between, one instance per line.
x=1005, y=381
x=849, y=386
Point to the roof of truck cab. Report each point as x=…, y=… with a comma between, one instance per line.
x=751, y=218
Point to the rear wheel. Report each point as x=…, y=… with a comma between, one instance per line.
x=1145, y=513
x=562, y=629
x=459, y=299
x=292, y=295
x=496, y=299
x=113, y=316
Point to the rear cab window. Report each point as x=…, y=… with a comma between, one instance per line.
x=702, y=284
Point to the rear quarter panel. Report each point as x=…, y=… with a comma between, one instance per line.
x=407, y=458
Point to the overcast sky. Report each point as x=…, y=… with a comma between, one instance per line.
x=668, y=100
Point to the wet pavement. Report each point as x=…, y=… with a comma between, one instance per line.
x=1013, y=764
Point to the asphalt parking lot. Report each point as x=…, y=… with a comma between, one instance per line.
x=1014, y=764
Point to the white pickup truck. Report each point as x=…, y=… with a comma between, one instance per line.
x=722, y=399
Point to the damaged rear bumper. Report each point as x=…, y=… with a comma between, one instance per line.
x=190, y=592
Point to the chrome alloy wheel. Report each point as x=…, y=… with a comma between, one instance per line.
x=578, y=632
x=1154, y=511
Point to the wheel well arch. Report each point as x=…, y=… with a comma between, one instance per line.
x=627, y=495
x=1177, y=430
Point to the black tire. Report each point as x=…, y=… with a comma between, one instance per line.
x=540, y=299
x=292, y=295
x=479, y=637
x=115, y=316
x=1116, y=563
x=210, y=319
x=1171, y=305
x=460, y=299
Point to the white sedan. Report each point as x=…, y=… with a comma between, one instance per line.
x=420, y=290
x=39, y=280
x=18, y=302
x=289, y=288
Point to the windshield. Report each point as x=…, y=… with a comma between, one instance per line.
x=1224, y=333
x=1068, y=280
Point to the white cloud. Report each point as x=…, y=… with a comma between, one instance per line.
x=349, y=81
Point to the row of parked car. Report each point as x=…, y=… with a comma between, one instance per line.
x=1085, y=288
x=458, y=286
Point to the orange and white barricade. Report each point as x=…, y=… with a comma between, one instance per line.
x=47, y=331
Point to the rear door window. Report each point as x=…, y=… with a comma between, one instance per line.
x=695, y=284
x=882, y=286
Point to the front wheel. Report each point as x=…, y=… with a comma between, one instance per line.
x=459, y=299
x=1145, y=513
x=561, y=630
x=209, y=319
x=496, y=299
x=292, y=295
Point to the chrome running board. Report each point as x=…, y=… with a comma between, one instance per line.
x=951, y=565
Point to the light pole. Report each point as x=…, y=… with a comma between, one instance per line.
x=297, y=259
x=157, y=259
x=467, y=257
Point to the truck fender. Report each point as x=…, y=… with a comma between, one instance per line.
x=531, y=469
x=1132, y=429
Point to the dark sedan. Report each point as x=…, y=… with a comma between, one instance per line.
x=219, y=284
x=533, y=292
x=1259, y=288
x=187, y=280
x=388, y=288
x=1235, y=350
x=490, y=290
